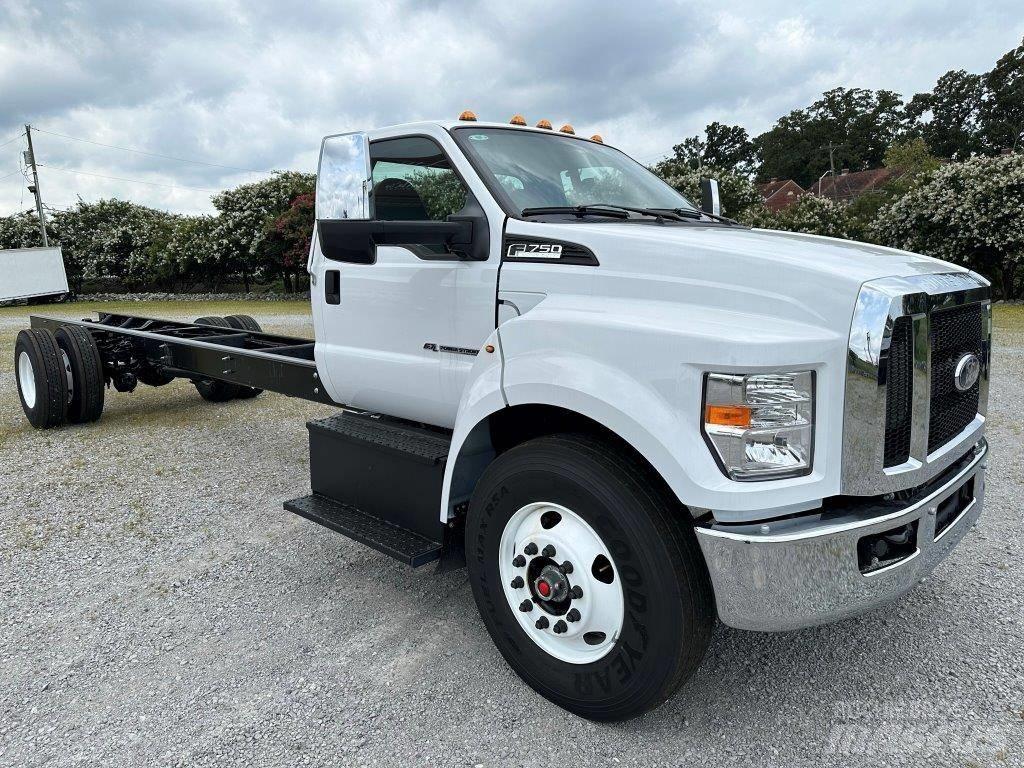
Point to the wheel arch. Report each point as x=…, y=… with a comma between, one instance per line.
x=504, y=428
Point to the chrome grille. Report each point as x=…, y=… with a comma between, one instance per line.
x=954, y=333
x=904, y=421
x=899, y=393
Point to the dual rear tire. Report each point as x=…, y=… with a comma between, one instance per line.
x=215, y=390
x=60, y=376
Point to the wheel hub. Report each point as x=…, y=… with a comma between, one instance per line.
x=579, y=590
x=551, y=586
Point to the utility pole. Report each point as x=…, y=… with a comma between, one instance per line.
x=832, y=166
x=34, y=189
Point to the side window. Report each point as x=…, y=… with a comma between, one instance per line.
x=413, y=181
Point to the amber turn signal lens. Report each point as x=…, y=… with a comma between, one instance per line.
x=728, y=415
x=468, y=115
x=545, y=124
x=518, y=120
x=567, y=129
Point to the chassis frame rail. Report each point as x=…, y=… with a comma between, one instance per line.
x=262, y=360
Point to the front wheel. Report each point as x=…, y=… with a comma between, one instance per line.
x=588, y=576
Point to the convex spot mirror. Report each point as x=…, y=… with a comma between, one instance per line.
x=343, y=178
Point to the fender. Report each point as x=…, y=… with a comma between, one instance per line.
x=637, y=368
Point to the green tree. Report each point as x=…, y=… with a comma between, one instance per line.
x=854, y=124
x=740, y=198
x=969, y=213
x=21, y=231
x=948, y=117
x=111, y=239
x=285, y=247
x=1003, y=110
x=245, y=214
x=722, y=146
x=818, y=216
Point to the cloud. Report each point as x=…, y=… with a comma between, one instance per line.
x=254, y=85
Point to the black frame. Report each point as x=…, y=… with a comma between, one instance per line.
x=267, y=361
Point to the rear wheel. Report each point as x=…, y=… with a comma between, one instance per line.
x=86, y=384
x=215, y=390
x=245, y=323
x=42, y=378
x=588, y=579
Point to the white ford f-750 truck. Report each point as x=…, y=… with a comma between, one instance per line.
x=625, y=414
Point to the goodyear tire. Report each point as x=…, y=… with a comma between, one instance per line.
x=214, y=390
x=652, y=629
x=85, y=401
x=42, y=378
x=245, y=323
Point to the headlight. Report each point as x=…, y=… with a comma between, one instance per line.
x=760, y=426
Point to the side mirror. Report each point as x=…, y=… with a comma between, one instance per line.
x=343, y=178
x=710, y=199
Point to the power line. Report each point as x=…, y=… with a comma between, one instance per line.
x=14, y=139
x=121, y=178
x=151, y=154
x=16, y=170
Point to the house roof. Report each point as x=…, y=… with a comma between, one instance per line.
x=779, y=194
x=848, y=186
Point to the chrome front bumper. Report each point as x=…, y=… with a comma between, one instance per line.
x=804, y=570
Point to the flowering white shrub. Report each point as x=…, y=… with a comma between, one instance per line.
x=970, y=213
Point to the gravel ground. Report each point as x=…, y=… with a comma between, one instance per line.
x=158, y=607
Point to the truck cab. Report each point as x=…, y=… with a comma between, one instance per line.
x=812, y=409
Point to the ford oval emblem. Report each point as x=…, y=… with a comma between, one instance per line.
x=968, y=368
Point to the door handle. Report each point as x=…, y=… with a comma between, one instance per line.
x=332, y=286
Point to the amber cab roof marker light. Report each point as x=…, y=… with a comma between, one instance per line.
x=518, y=120
x=545, y=124
x=468, y=115
x=597, y=137
x=567, y=129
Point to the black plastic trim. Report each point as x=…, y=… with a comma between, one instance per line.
x=572, y=253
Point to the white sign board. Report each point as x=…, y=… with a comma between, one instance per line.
x=29, y=272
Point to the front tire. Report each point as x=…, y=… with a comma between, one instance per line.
x=651, y=554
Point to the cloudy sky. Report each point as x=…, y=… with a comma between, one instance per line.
x=250, y=86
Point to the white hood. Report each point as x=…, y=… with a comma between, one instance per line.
x=805, y=278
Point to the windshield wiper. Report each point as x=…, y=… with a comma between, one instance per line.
x=695, y=214
x=659, y=213
x=577, y=210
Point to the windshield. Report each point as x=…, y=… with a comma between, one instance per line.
x=539, y=170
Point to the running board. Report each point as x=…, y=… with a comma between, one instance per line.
x=400, y=543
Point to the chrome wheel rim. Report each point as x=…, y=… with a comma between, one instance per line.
x=27, y=380
x=561, y=582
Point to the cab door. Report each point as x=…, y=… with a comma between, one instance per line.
x=399, y=324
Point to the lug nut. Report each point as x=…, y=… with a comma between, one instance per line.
x=548, y=551
x=576, y=593
x=517, y=582
x=526, y=606
x=542, y=623
x=560, y=627
x=573, y=615
x=530, y=549
x=519, y=561
x=566, y=567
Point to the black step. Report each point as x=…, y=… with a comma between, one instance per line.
x=400, y=543
x=411, y=442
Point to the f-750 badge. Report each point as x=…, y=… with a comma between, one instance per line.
x=534, y=251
